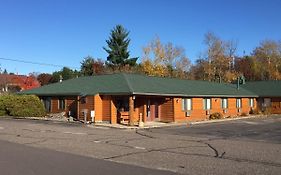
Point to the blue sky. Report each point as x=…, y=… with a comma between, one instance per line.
x=64, y=31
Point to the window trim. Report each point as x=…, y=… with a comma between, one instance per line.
x=205, y=100
x=59, y=104
x=240, y=104
x=184, y=104
x=222, y=103
x=251, y=102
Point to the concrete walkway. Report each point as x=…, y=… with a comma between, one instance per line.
x=162, y=124
x=146, y=125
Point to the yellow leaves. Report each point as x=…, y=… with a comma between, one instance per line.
x=230, y=76
x=164, y=59
x=152, y=69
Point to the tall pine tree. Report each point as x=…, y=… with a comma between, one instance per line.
x=118, y=54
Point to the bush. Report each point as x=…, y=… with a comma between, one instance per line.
x=267, y=111
x=216, y=115
x=3, y=113
x=22, y=106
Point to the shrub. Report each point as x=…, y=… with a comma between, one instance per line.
x=3, y=113
x=244, y=114
x=216, y=115
x=22, y=105
x=267, y=111
x=255, y=112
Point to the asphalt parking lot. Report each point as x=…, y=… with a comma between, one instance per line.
x=254, y=129
x=247, y=146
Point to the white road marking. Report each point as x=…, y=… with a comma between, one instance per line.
x=137, y=147
x=251, y=123
x=77, y=133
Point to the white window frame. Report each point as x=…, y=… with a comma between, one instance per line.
x=207, y=103
x=238, y=103
x=224, y=103
x=251, y=102
x=186, y=104
x=59, y=103
x=267, y=102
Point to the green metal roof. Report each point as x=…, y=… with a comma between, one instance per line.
x=264, y=88
x=135, y=84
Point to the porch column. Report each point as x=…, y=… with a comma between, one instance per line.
x=131, y=111
x=144, y=113
x=78, y=108
x=113, y=118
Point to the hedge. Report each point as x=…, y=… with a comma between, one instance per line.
x=21, y=106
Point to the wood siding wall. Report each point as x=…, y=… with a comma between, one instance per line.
x=70, y=105
x=167, y=111
x=55, y=105
x=89, y=106
x=198, y=113
x=106, y=108
x=276, y=105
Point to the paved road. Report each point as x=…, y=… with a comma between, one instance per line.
x=18, y=159
x=250, y=146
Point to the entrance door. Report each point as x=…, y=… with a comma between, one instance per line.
x=72, y=109
x=152, y=109
x=148, y=112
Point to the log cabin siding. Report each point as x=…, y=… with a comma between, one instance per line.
x=98, y=108
x=54, y=105
x=198, y=113
x=88, y=106
x=106, y=108
x=167, y=111
x=275, y=105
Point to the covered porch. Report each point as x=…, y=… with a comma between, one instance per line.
x=130, y=110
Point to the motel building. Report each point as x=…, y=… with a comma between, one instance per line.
x=131, y=98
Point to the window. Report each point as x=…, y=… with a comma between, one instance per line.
x=224, y=103
x=238, y=103
x=47, y=104
x=267, y=102
x=61, y=104
x=251, y=102
x=207, y=103
x=186, y=104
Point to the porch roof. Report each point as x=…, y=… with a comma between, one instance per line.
x=135, y=84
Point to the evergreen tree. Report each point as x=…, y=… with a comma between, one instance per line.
x=118, y=54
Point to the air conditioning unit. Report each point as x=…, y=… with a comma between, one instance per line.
x=225, y=111
x=207, y=112
x=187, y=114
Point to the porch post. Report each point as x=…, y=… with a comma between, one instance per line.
x=131, y=111
x=78, y=109
x=144, y=112
x=113, y=118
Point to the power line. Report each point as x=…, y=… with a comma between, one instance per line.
x=36, y=63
